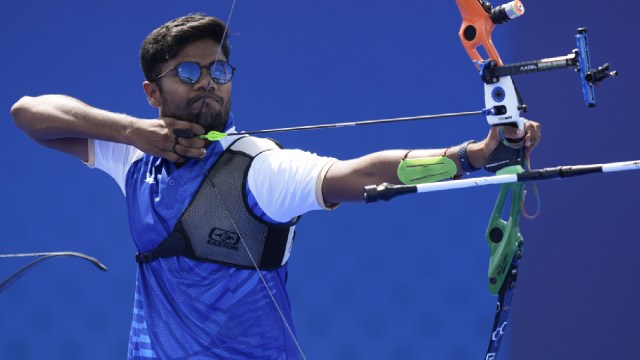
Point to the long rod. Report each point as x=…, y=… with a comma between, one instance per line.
x=388, y=191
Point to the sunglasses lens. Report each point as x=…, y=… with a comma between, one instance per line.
x=189, y=72
x=221, y=72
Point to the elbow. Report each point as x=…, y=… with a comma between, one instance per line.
x=21, y=112
x=27, y=115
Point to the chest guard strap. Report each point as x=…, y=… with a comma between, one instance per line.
x=206, y=228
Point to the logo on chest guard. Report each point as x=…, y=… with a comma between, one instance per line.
x=224, y=239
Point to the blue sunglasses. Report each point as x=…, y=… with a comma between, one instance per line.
x=189, y=72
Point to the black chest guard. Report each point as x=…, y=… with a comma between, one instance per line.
x=207, y=228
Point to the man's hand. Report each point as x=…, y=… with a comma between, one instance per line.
x=530, y=138
x=156, y=137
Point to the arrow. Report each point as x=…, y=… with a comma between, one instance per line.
x=215, y=135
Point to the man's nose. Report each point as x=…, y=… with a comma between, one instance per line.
x=205, y=81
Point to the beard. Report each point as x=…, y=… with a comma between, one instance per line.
x=202, y=114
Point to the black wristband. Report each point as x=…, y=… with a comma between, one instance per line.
x=465, y=164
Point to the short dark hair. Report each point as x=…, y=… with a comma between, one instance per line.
x=165, y=42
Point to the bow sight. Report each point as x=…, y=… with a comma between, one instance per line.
x=478, y=21
x=579, y=59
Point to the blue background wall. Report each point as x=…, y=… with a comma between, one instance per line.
x=405, y=279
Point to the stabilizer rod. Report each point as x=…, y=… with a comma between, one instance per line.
x=388, y=191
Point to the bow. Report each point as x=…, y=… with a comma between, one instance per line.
x=503, y=236
x=40, y=258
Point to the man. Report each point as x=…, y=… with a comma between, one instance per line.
x=206, y=215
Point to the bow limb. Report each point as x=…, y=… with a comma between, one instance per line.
x=505, y=245
x=41, y=257
x=476, y=31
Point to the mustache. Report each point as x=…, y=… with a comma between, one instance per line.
x=204, y=96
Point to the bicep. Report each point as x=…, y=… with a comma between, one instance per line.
x=344, y=182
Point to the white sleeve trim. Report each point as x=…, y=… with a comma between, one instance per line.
x=319, y=197
x=91, y=160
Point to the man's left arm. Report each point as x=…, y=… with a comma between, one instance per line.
x=345, y=180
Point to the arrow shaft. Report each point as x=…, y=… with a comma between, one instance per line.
x=364, y=122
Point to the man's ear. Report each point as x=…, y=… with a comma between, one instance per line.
x=153, y=94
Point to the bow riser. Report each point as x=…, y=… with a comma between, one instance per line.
x=503, y=95
x=475, y=34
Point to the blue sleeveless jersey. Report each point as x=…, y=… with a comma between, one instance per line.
x=188, y=309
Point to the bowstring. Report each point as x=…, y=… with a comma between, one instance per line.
x=226, y=209
x=255, y=264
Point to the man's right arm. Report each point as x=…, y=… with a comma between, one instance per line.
x=64, y=123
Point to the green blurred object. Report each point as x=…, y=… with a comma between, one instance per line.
x=212, y=136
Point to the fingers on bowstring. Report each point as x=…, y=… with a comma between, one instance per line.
x=193, y=128
x=187, y=151
x=182, y=125
x=173, y=153
x=187, y=145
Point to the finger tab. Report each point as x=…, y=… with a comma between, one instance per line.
x=183, y=133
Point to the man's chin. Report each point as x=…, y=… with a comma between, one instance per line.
x=213, y=122
x=209, y=120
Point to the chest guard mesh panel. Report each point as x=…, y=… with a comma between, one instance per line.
x=206, y=229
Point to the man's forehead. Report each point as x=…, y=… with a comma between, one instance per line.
x=205, y=50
